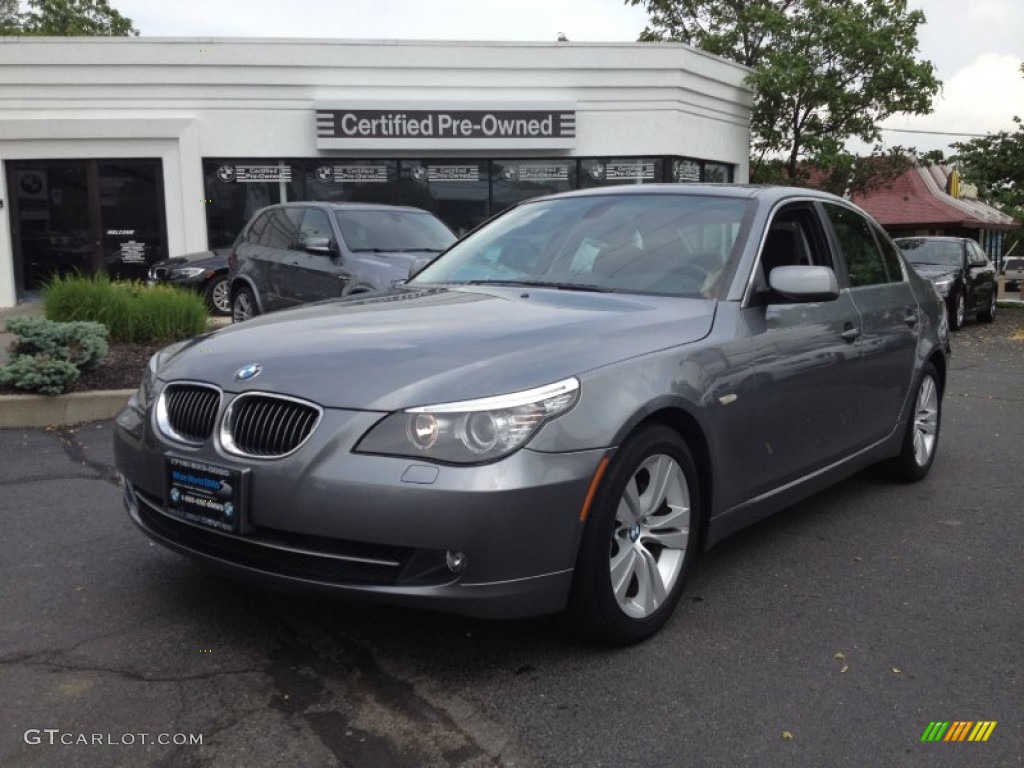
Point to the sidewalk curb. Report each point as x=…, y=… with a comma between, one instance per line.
x=32, y=411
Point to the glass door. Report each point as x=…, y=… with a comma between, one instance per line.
x=84, y=217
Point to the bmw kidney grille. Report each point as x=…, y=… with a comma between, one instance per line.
x=188, y=412
x=267, y=426
x=256, y=424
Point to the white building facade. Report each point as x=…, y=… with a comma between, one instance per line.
x=119, y=152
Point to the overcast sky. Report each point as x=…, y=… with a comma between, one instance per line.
x=975, y=45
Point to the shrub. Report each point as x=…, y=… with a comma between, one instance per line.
x=38, y=373
x=80, y=343
x=132, y=312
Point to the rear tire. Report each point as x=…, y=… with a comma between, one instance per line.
x=639, y=542
x=989, y=315
x=921, y=438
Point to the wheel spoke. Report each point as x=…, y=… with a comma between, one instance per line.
x=662, y=473
x=633, y=506
x=623, y=568
x=652, y=589
x=671, y=530
x=926, y=422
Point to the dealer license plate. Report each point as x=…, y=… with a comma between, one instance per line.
x=205, y=494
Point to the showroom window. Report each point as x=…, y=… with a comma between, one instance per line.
x=456, y=191
x=461, y=192
x=609, y=171
x=236, y=189
x=515, y=180
x=346, y=181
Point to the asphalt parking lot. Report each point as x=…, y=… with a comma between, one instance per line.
x=832, y=634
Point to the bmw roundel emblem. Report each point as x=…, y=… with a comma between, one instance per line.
x=250, y=371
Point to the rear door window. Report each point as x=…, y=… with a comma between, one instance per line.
x=865, y=263
x=281, y=232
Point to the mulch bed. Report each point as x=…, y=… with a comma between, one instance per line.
x=122, y=368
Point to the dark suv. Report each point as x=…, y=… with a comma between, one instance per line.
x=294, y=253
x=961, y=272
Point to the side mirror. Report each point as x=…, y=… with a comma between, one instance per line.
x=802, y=284
x=318, y=245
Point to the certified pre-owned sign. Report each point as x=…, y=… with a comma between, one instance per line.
x=419, y=126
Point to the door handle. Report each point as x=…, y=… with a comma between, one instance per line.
x=910, y=318
x=850, y=333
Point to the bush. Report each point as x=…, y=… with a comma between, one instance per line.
x=132, y=312
x=38, y=373
x=80, y=343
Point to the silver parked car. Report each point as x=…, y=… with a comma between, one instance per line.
x=297, y=253
x=555, y=415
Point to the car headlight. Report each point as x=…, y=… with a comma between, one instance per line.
x=943, y=285
x=471, y=431
x=188, y=272
x=144, y=394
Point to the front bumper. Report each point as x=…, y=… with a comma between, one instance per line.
x=377, y=527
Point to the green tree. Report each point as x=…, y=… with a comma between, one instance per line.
x=824, y=71
x=10, y=17
x=59, y=18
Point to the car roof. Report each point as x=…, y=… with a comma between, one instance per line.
x=348, y=206
x=767, y=194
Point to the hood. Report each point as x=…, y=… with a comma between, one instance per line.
x=218, y=257
x=935, y=272
x=421, y=347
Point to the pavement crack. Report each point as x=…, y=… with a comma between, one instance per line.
x=76, y=452
x=142, y=677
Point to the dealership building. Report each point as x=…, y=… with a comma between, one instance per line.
x=119, y=152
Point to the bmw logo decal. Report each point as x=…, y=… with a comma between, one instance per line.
x=250, y=371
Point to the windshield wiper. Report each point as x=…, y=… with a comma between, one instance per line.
x=395, y=250
x=542, y=284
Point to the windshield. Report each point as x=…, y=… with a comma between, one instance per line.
x=677, y=245
x=944, y=253
x=397, y=230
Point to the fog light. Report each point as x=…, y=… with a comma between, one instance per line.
x=456, y=561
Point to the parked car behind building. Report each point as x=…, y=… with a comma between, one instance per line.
x=296, y=253
x=204, y=271
x=961, y=272
x=556, y=414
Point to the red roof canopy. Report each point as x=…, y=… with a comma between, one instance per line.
x=918, y=199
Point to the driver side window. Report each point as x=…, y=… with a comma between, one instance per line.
x=794, y=238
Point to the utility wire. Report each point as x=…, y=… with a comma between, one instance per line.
x=936, y=133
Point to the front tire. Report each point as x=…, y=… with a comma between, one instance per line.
x=243, y=305
x=218, y=295
x=921, y=438
x=957, y=311
x=640, y=540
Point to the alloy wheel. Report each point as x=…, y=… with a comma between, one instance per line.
x=220, y=297
x=926, y=421
x=242, y=309
x=649, y=542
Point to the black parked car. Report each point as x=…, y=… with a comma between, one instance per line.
x=961, y=272
x=295, y=253
x=203, y=271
